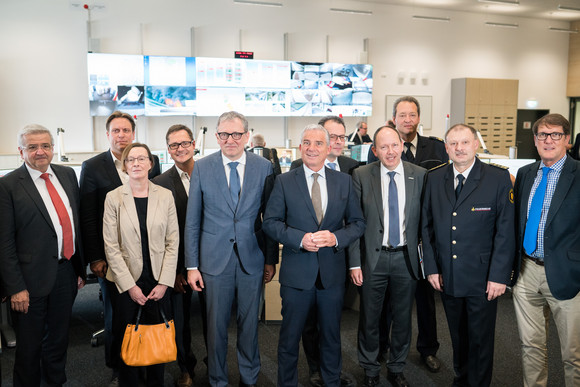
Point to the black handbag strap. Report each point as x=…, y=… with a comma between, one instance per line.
x=160, y=311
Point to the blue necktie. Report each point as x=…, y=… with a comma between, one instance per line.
x=533, y=223
x=234, y=182
x=332, y=166
x=394, y=234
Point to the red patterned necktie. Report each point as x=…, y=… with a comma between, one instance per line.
x=63, y=218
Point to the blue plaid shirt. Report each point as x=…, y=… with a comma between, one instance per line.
x=553, y=176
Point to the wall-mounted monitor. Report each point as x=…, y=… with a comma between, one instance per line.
x=158, y=85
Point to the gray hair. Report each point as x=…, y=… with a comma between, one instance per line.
x=230, y=116
x=359, y=124
x=30, y=130
x=258, y=139
x=316, y=127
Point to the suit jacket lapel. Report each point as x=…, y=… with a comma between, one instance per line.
x=526, y=190
x=152, y=206
x=300, y=178
x=410, y=186
x=250, y=183
x=180, y=194
x=128, y=206
x=30, y=188
x=378, y=191
x=564, y=183
x=449, y=184
x=111, y=169
x=471, y=182
x=69, y=190
x=221, y=180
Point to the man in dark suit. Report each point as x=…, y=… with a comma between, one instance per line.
x=181, y=147
x=548, y=256
x=469, y=246
x=360, y=135
x=99, y=175
x=258, y=146
x=427, y=152
x=313, y=211
x=336, y=129
x=390, y=195
x=225, y=253
x=41, y=257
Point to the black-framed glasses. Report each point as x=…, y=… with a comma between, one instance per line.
x=184, y=144
x=335, y=137
x=235, y=135
x=554, y=135
x=34, y=147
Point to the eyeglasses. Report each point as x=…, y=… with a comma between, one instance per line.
x=34, y=147
x=554, y=135
x=235, y=135
x=184, y=144
x=335, y=137
x=140, y=160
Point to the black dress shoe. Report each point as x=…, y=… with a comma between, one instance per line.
x=316, y=379
x=345, y=381
x=371, y=381
x=433, y=364
x=397, y=379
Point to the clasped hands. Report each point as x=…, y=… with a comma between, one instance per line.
x=314, y=241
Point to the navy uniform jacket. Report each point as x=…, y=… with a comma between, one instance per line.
x=562, y=235
x=471, y=240
x=430, y=153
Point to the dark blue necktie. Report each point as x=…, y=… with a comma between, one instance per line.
x=533, y=223
x=332, y=166
x=460, y=179
x=234, y=182
x=394, y=235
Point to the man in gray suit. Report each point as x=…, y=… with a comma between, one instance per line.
x=225, y=250
x=390, y=195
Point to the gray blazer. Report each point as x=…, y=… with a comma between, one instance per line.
x=367, y=184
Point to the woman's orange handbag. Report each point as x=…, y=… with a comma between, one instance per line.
x=145, y=345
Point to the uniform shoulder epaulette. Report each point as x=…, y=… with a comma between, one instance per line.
x=439, y=166
x=498, y=166
x=437, y=139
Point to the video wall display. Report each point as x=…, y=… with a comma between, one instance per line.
x=159, y=85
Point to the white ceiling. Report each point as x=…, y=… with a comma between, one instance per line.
x=538, y=9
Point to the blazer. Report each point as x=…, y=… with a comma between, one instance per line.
x=270, y=154
x=346, y=164
x=29, y=253
x=367, y=184
x=214, y=226
x=430, y=153
x=470, y=240
x=171, y=180
x=290, y=215
x=98, y=177
x=122, y=236
x=561, y=233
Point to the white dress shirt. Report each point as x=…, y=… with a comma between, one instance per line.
x=241, y=168
x=321, y=182
x=185, y=179
x=464, y=173
x=119, y=167
x=400, y=181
